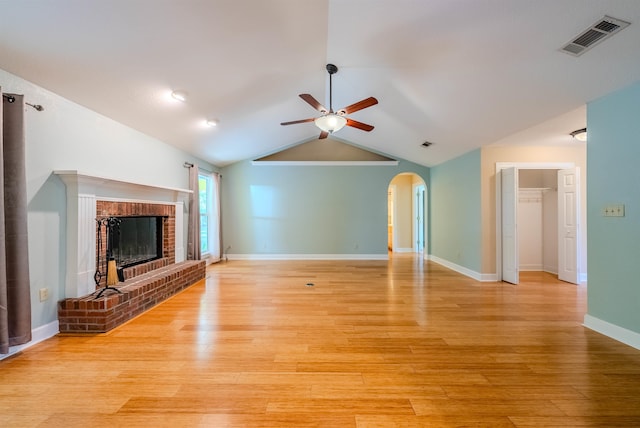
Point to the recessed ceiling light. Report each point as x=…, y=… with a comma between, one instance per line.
x=179, y=95
x=211, y=122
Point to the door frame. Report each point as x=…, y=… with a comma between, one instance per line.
x=417, y=180
x=498, y=209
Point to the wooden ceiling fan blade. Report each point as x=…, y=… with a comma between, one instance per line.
x=359, y=125
x=313, y=102
x=323, y=135
x=293, y=122
x=367, y=102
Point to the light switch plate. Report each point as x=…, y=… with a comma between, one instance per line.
x=614, y=210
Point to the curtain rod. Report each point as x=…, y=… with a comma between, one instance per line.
x=190, y=165
x=12, y=99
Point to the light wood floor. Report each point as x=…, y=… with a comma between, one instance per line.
x=402, y=343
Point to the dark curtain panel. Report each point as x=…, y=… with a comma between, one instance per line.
x=15, y=301
x=193, y=227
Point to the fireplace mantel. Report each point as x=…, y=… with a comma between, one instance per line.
x=86, y=181
x=83, y=190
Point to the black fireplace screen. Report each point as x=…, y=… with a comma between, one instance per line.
x=138, y=240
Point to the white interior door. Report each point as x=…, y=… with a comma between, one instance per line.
x=510, y=272
x=568, y=225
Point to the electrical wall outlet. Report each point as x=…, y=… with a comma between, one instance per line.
x=44, y=294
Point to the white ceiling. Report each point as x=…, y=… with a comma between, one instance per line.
x=458, y=73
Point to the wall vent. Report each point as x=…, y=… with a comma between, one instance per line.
x=598, y=32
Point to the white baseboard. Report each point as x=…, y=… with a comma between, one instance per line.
x=208, y=259
x=483, y=277
x=308, y=256
x=613, y=331
x=37, y=335
x=403, y=250
x=531, y=268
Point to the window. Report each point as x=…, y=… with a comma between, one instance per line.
x=209, y=205
x=204, y=197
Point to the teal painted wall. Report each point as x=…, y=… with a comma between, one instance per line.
x=314, y=210
x=455, y=215
x=613, y=153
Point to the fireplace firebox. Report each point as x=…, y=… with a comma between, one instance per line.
x=114, y=213
x=138, y=239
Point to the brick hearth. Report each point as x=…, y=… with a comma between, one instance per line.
x=90, y=315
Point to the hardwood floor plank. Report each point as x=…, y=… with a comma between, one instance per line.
x=83, y=420
x=512, y=393
x=602, y=407
x=357, y=406
x=486, y=407
x=396, y=421
x=378, y=392
x=579, y=421
x=272, y=420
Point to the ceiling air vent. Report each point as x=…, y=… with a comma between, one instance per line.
x=601, y=30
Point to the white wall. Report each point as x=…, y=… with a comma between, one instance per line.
x=530, y=229
x=538, y=220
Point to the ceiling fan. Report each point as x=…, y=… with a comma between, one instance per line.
x=331, y=121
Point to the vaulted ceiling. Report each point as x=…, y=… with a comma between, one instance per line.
x=458, y=73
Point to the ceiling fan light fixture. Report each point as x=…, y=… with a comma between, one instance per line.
x=330, y=122
x=580, y=134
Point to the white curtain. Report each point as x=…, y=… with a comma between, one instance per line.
x=215, y=240
x=193, y=227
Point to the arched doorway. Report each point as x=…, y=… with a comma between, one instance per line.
x=407, y=214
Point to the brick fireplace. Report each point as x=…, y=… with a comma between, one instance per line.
x=91, y=197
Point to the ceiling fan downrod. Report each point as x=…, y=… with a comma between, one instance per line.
x=331, y=69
